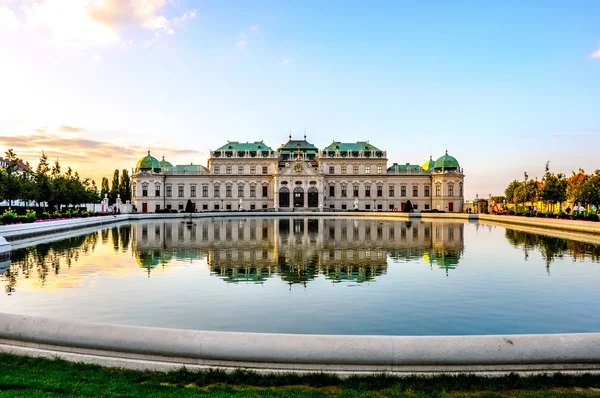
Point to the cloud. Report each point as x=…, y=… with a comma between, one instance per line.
x=90, y=23
x=242, y=39
x=98, y=58
x=91, y=157
x=286, y=61
x=8, y=20
x=596, y=54
x=69, y=129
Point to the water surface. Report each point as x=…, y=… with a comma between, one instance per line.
x=304, y=275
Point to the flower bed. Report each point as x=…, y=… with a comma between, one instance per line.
x=11, y=217
x=576, y=215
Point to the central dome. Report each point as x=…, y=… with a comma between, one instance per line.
x=165, y=165
x=148, y=163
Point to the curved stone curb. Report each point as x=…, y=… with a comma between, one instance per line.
x=162, y=349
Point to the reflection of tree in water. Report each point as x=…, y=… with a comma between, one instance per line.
x=45, y=258
x=552, y=248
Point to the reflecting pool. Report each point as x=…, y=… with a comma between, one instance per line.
x=311, y=275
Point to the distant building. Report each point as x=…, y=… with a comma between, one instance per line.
x=298, y=175
x=21, y=165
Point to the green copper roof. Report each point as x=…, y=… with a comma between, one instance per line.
x=165, y=166
x=294, y=145
x=404, y=168
x=148, y=163
x=350, y=146
x=189, y=168
x=257, y=146
x=446, y=162
x=429, y=165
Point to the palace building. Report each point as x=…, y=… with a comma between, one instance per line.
x=341, y=176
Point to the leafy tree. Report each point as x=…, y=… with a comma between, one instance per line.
x=554, y=189
x=408, y=208
x=104, y=188
x=43, y=192
x=114, y=190
x=28, y=185
x=125, y=186
x=510, y=191
x=11, y=183
x=575, y=185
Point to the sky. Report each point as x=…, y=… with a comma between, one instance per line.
x=504, y=86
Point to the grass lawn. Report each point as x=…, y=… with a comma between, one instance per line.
x=34, y=377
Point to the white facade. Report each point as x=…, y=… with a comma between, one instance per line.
x=249, y=180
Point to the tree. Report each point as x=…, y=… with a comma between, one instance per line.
x=43, y=192
x=510, y=191
x=114, y=190
x=28, y=185
x=104, y=188
x=125, y=186
x=11, y=183
x=189, y=207
x=575, y=185
x=408, y=208
x=554, y=188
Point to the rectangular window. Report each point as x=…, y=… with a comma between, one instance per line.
x=144, y=191
x=403, y=191
x=252, y=191
x=169, y=191
x=265, y=169
x=157, y=207
x=180, y=191
x=391, y=195
x=240, y=169
x=240, y=191
x=228, y=169
x=344, y=191
x=416, y=206
x=216, y=206
x=415, y=191
x=252, y=206
x=355, y=169
x=331, y=191
x=438, y=190
x=344, y=169
x=193, y=191
x=379, y=169
x=427, y=191
x=450, y=190
x=216, y=169
x=331, y=170
x=391, y=207
x=181, y=206
x=426, y=206
x=368, y=207
x=367, y=191
x=344, y=206
x=228, y=191
x=252, y=169
x=367, y=169
x=217, y=191
x=157, y=191
x=379, y=191
x=265, y=191
x=205, y=191
x=205, y=207
x=355, y=189
x=379, y=207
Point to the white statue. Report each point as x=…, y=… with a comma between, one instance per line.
x=240, y=206
x=355, y=204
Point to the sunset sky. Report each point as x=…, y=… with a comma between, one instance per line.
x=504, y=85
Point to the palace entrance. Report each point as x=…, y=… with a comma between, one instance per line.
x=298, y=197
x=313, y=197
x=284, y=197
x=144, y=207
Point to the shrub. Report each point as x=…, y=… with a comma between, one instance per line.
x=562, y=215
x=589, y=216
x=30, y=216
x=549, y=214
x=9, y=217
x=45, y=216
x=510, y=212
x=540, y=214
x=568, y=210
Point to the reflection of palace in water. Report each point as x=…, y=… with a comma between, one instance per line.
x=298, y=249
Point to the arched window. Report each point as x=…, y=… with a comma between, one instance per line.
x=284, y=197
x=298, y=197
x=313, y=197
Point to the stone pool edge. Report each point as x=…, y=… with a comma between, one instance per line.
x=162, y=349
